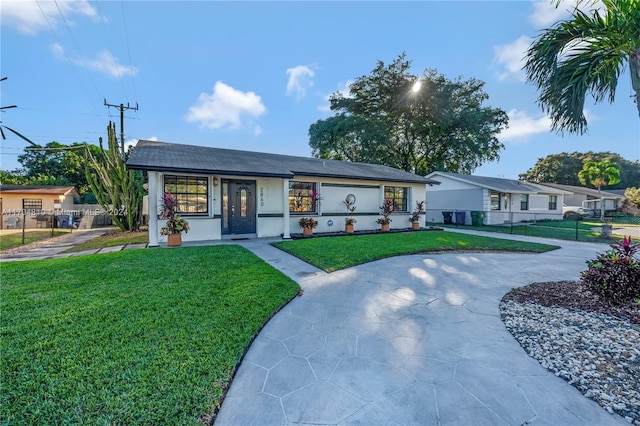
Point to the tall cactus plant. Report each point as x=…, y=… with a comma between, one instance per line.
x=118, y=190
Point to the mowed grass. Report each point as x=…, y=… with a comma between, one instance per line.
x=334, y=253
x=560, y=230
x=134, y=337
x=115, y=238
x=10, y=238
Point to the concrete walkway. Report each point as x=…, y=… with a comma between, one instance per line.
x=412, y=340
x=55, y=248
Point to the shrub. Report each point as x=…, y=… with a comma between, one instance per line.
x=615, y=274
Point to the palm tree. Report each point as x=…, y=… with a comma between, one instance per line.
x=585, y=54
x=599, y=174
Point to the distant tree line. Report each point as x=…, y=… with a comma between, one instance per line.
x=54, y=164
x=564, y=169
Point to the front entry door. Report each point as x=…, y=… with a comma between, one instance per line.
x=242, y=207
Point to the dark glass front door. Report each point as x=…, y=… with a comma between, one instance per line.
x=242, y=207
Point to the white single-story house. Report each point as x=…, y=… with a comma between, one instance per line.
x=33, y=206
x=226, y=194
x=589, y=198
x=495, y=201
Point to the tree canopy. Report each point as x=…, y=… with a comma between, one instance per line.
x=599, y=174
x=563, y=168
x=585, y=55
x=52, y=164
x=438, y=124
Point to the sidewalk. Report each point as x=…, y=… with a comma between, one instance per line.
x=54, y=248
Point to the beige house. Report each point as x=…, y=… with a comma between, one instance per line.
x=36, y=206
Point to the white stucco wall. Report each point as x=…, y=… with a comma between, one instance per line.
x=272, y=200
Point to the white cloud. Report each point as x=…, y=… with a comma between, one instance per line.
x=522, y=125
x=105, y=62
x=300, y=79
x=545, y=13
x=511, y=57
x=30, y=17
x=226, y=106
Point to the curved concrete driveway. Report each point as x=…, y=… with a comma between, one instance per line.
x=407, y=340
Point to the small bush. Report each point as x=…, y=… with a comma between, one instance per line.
x=615, y=274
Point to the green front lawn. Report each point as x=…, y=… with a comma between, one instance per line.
x=334, y=253
x=561, y=230
x=134, y=337
x=10, y=238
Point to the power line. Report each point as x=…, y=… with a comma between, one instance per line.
x=106, y=37
x=64, y=52
x=126, y=35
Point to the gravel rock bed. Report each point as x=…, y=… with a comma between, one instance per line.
x=596, y=352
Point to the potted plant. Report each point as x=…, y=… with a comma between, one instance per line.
x=415, y=215
x=175, y=224
x=307, y=224
x=349, y=203
x=385, y=210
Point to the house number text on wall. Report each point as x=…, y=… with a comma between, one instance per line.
x=261, y=197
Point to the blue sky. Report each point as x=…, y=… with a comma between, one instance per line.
x=255, y=75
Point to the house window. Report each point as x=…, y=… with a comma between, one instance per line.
x=32, y=204
x=553, y=202
x=191, y=192
x=399, y=195
x=524, y=202
x=495, y=201
x=303, y=197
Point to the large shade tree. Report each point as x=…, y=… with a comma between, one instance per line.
x=415, y=123
x=585, y=54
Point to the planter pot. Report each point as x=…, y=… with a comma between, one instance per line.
x=415, y=225
x=307, y=230
x=384, y=227
x=174, y=240
x=348, y=227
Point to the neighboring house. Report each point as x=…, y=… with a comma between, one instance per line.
x=495, y=200
x=226, y=193
x=34, y=206
x=589, y=198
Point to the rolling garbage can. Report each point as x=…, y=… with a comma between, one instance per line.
x=460, y=218
x=477, y=218
x=448, y=217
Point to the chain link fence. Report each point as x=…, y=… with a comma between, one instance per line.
x=544, y=224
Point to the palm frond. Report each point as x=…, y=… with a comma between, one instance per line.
x=583, y=55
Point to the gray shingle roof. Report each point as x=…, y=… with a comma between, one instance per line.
x=585, y=191
x=500, y=184
x=178, y=158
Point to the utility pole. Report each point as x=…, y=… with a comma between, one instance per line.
x=122, y=110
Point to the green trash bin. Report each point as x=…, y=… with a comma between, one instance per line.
x=477, y=218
